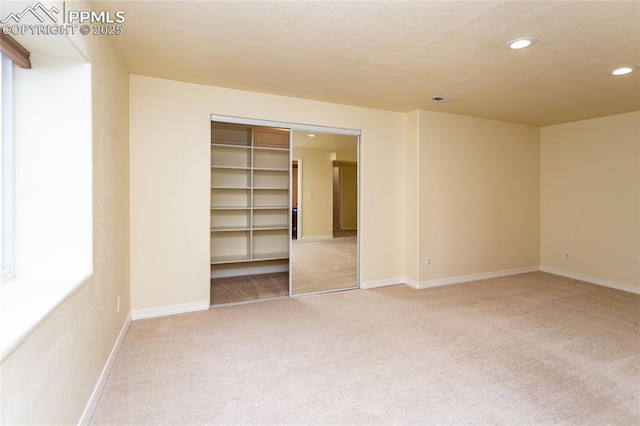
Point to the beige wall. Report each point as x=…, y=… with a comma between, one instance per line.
x=590, y=198
x=411, y=207
x=49, y=377
x=479, y=195
x=315, y=206
x=170, y=182
x=351, y=155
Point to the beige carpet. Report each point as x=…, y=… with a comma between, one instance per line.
x=247, y=288
x=323, y=265
x=528, y=349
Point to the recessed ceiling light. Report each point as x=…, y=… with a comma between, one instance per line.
x=520, y=43
x=311, y=135
x=623, y=70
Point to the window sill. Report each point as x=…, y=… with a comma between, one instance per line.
x=28, y=299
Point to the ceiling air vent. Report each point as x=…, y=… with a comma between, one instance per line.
x=442, y=99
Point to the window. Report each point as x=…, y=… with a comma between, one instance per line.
x=7, y=169
x=47, y=205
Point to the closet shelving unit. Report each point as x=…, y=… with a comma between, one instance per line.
x=249, y=194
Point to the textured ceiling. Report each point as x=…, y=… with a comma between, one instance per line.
x=396, y=55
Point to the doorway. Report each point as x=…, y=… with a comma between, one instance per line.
x=345, y=199
x=296, y=165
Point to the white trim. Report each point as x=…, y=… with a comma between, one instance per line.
x=316, y=238
x=593, y=280
x=476, y=277
x=102, y=380
x=382, y=283
x=286, y=125
x=360, y=180
x=249, y=270
x=411, y=282
x=497, y=274
x=170, y=310
x=8, y=170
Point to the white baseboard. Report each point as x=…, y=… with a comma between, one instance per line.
x=497, y=274
x=249, y=270
x=382, y=283
x=102, y=380
x=316, y=238
x=475, y=277
x=593, y=280
x=446, y=281
x=411, y=282
x=170, y=310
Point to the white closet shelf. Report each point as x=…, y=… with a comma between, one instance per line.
x=231, y=167
x=250, y=193
x=270, y=227
x=270, y=256
x=271, y=207
x=269, y=148
x=229, y=228
x=271, y=169
x=230, y=144
x=230, y=259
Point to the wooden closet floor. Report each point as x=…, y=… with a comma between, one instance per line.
x=249, y=287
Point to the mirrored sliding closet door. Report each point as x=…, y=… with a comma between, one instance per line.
x=324, y=212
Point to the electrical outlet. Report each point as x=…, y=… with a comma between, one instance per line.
x=427, y=261
x=566, y=255
x=118, y=304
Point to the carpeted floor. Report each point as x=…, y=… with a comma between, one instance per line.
x=323, y=265
x=528, y=349
x=316, y=266
x=249, y=287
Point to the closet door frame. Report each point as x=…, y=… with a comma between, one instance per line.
x=311, y=129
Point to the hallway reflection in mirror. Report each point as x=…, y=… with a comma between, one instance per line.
x=324, y=206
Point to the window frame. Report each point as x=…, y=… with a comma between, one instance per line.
x=8, y=169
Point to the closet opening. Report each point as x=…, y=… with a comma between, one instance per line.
x=283, y=210
x=250, y=220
